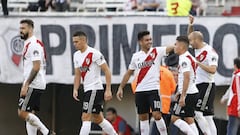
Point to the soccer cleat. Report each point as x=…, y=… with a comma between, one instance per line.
x=51, y=132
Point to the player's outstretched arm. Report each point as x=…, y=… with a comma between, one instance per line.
x=77, y=82
x=107, y=72
x=123, y=83
x=190, y=25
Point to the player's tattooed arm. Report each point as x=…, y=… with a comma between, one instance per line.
x=34, y=71
x=33, y=74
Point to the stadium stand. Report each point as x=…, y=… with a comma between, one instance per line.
x=75, y=5
x=105, y=8
x=235, y=11
x=104, y=5
x=20, y=5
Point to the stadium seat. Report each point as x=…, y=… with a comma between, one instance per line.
x=235, y=11
x=103, y=5
x=20, y=5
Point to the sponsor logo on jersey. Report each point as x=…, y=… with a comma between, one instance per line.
x=84, y=69
x=146, y=64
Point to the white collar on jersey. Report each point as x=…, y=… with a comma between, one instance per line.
x=29, y=39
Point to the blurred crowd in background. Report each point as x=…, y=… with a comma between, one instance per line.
x=170, y=7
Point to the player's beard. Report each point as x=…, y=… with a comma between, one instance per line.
x=24, y=36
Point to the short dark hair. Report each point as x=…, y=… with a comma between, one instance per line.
x=236, y=62
x=183, y=39
x=111, y=109
x=28, y=21
x=142, y=34
x=79, y=33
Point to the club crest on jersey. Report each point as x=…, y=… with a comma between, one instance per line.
x=87, y=61
x=153, y=55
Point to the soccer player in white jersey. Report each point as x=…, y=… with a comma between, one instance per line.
x=188, y=92
x=34, y=62
x=207, y=62
x=147, y=64
x=88, y=63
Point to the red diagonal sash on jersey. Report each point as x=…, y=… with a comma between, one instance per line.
x=25, y=51
x=40, y=43
x=86, y=64
x=44, y=50
x=151, y=57
x=26, y=48
x=201, y=57
x=192, y=63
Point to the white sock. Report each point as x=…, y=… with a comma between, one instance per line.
x=31, y=130
x=211, y=124
x=183, y=126
x=161, y=126
x=35, y=121
x=202, y=122
x=86, y=127
x=107, y=127
x=144, y=126
x=194, y=128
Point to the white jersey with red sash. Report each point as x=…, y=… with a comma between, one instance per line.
x=207, y=56
x=88, y=62
x=187, y=63
x=33, y=51
x=148, y=67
